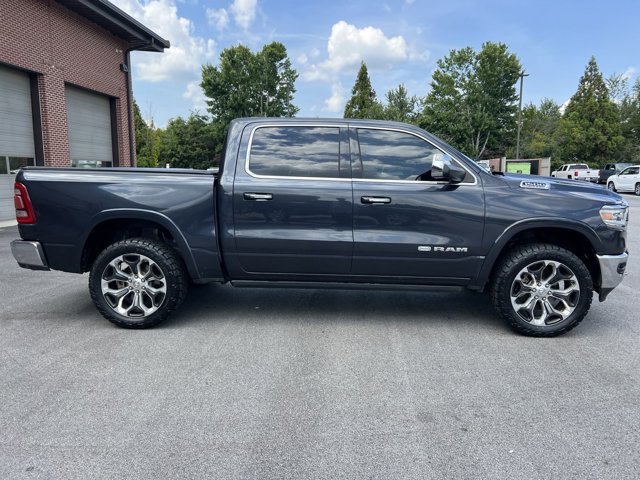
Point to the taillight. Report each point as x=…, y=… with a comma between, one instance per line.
x=575, y=174
x=22, y=202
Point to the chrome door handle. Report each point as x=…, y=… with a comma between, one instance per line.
x=375, y=200
x=258, y=197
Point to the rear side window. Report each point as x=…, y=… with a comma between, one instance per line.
x=392, y=155
x=295, y=152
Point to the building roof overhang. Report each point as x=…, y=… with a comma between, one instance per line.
x=119, y=23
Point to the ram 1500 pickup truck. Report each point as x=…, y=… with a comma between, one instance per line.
x=326, y=203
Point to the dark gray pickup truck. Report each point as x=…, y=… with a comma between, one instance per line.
x=326, y=203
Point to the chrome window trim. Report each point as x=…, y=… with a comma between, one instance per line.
x=359, y=180
x=280, y=177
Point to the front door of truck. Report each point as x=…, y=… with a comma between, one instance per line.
x=409, y=228
x=293, y=202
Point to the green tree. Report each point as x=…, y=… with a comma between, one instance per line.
x=539, y=126
x=245, y=84
x=400, y=107
x=627, y=100
x=473, y=101
x=189, y=143
x=590, y=129
x=363, y=102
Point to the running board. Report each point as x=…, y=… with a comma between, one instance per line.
x=344, y=285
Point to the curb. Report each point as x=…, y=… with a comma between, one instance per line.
x=8, y=223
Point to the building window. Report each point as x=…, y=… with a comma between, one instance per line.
x=90, y=164
x=11, y=165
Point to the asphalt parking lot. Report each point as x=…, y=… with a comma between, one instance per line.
x=313, y=384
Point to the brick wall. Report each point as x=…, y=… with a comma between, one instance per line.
x=43, y=37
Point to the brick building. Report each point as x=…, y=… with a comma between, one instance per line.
x=65, y=86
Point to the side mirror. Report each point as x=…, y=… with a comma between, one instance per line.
x=442, y=168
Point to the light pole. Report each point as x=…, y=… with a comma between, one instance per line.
x=522, y=75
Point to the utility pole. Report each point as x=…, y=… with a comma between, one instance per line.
x=522, y=75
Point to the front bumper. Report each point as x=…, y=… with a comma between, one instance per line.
x=612, y=269
x=29, y=254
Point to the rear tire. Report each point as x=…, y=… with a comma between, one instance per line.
x=137, y=283
x=541, y=290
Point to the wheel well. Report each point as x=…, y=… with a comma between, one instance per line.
x=565, y=238
x=111, y=231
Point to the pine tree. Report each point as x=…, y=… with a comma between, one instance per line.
x=400, y=106
x=590, y=129
x=363, y=102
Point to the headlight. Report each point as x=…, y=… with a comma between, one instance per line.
x=615, y=216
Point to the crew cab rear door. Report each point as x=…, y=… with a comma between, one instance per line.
x=292, y=202
x=407, y=227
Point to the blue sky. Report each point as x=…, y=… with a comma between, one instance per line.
x=400, y=41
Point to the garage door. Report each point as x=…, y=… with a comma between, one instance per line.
x=17, y=146
x=89, y=126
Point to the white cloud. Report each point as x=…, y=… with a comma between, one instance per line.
x=244, y=12
x=564, y=106
x=187, y=53
x=335, y=103
x=303, y=59
x=629, y=73
x=349, y=45
x=218, y=18
x=196, y=96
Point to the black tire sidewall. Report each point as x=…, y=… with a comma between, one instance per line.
x=527, y=255
x=167, y=261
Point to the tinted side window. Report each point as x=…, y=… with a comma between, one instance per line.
x=295, y=151
x=390, y=155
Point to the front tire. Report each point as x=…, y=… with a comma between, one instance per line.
x=137, y=283
x=637, y=189
x=542, y=290
x=612, y=187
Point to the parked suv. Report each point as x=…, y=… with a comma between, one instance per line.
x=628, y=180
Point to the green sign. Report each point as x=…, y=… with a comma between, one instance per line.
x=519, y=167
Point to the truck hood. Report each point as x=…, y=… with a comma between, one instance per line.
x=533, y=184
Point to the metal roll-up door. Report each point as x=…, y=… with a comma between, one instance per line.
x=89, y=127
x=17, y=146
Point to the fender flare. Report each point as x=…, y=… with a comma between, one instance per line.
x=152, y=216
x=530, y=224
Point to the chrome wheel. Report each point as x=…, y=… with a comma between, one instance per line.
x=545, y=292
x=133, y=285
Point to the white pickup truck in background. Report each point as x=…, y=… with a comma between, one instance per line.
x=576, y=171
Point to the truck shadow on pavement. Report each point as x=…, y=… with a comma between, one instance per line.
x=222, y=303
